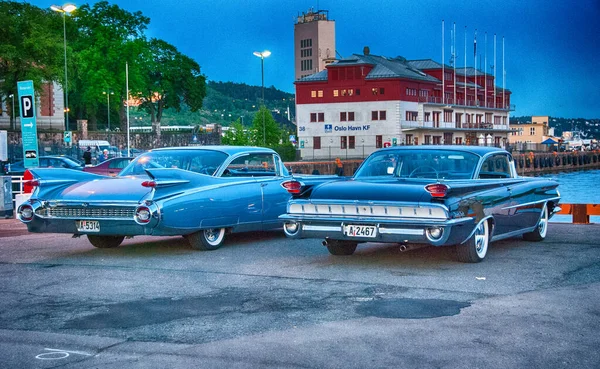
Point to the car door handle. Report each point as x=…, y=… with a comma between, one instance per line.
x=263, y=184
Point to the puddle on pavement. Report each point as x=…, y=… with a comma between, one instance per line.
x=411, y=308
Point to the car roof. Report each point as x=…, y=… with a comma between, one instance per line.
x=230, y=150
x=478, y=150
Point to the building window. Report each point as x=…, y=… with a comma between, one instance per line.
x=458, y=140
x=427, y=139
x=313, y=94
x=350, y=91
x=437, y=140
x=317, y=143
x=313, y=117
x=382, y=91
x=343, y=116
x=358, y=91
x=336, y=93
x=412, y=116
x=378, y=141
x=409, y=139
x=423, y=93
x=374, y=90
x=374, y=115
x=343, y=142
x=411, y=91
x=351, y=116
x=382, y=115
x=488, y=117
x=447, y=115
x=532, y=131
x=321, y=117
x=320, y=93
x=428, y=117
x=448, y=138
x=351, y=142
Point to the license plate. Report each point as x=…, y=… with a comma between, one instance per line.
x=88, y=226
x=360, y=231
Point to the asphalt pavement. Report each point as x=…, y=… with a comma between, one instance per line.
x=264, y=301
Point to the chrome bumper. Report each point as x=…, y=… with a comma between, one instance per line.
x=413, y=230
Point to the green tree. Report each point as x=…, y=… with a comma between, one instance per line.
x=236, y=135
x=31, y=46
x=265, y=131
x=108, y=37
x=170, y=80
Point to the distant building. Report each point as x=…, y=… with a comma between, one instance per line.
x=364, y=102
x=314, y=42
x=49, y=105
x=536, y=131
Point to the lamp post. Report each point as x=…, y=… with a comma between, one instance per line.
x=262, y=55
x=12, y=111
x=108, y=93
x=67, y=8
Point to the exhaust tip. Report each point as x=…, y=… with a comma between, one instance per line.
x=403, y=248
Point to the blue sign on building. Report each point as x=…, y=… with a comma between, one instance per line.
x=28, y=124
x=328, y=128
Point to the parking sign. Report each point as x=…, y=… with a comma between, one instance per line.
x=28, y=124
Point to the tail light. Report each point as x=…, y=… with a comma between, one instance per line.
x=28, y=182
x=292, y=187
x=151, y=184
x=143, y=215
x=26, y=213
x=437, y=189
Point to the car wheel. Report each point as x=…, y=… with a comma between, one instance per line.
x=539, y=233
x=105, y=242
x=337, y=247
x=476, y=247
x=207, y=239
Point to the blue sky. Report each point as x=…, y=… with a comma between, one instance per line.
x=552, y=48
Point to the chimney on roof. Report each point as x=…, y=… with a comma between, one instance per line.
x=366, y=50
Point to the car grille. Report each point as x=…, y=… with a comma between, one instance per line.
x=88, y=212
x=368, y=210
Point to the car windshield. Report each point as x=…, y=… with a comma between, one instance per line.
x=199, y=161
x=442, y=164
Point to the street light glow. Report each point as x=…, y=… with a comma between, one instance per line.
x=262, y=56
x=67, y=8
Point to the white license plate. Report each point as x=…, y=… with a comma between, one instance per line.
x=360, y=231
x=87, y=225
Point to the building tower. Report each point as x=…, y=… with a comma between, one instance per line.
x=314, y=42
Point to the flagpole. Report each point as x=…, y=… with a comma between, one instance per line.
x=465, y=65
x=127, y=97
x=475, y=57
x=485, y=72
x=495, y=81
x=454, y=59
x=443, y=67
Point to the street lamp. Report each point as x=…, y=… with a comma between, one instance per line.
x=67, y=8
x=108, y=105
x=262, y=56
x=12, y=111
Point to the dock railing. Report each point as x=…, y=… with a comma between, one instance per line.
x=580, y=212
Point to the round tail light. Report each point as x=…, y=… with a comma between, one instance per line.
x=143, y=215
x=26, y=213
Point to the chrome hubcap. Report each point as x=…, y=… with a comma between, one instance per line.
x=481, y=240
x=543, y=222
x=212, y=235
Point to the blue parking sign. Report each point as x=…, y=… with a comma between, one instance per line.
x=28, y=124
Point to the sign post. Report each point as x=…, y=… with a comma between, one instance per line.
x=28, y=124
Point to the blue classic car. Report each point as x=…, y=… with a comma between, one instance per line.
x=462, y=196
x=200, y=193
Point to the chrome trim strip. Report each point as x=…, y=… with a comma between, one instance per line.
x=307, y=227
x=400, y=231
x=531, y=203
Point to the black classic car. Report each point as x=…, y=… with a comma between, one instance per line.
x=462, y=196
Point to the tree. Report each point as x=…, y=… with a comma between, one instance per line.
x=236, y=135
x=265, y=131
x=31, y=46
x=107, y=38
x=170, y=79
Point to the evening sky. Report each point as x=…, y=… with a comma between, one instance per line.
x=552, y=47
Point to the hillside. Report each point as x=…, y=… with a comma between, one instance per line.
x=226, y=102
x=590, y=128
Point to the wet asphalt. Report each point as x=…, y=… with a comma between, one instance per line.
x=264, y=301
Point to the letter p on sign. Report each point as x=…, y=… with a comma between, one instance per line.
x=27, y=106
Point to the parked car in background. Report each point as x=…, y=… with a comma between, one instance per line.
x=110, y=167
x=64, y=162
x=201, y=193
x=462, y=196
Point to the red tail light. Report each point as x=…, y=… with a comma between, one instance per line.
x=150, y=184
x=28, y=182
x=437, y=189
x=293, y=187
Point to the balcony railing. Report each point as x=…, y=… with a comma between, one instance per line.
x=447, y=125
x=465, y=103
